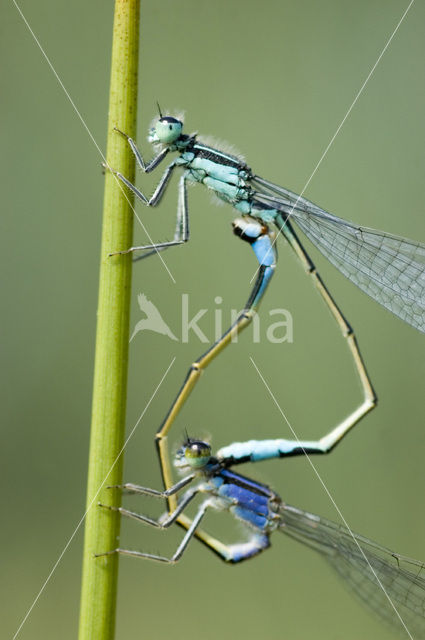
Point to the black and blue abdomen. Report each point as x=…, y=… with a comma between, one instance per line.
x=249, y=501
x=222, y=173
x=227, y=176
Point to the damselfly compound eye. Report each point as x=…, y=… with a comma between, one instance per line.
x=168, y=129
x=197, y=453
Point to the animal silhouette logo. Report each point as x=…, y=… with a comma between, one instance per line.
x=153, y=320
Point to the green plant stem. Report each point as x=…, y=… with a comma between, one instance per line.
x=99, y=580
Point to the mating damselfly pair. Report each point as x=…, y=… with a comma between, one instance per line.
x=390, y=269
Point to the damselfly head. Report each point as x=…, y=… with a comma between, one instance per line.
x=194, y=454
x=166, y=130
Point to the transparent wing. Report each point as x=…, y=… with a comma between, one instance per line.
x=370, y=570
x=388, y=268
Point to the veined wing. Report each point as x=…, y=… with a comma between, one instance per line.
x=388, y=268
x=392, y=585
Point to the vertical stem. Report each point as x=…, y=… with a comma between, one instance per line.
x=99, y=580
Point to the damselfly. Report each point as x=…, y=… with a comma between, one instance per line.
x=393, y=585
x=388, y=268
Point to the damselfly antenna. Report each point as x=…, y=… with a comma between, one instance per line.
x=159, y=109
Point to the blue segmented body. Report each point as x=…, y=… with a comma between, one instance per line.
x=258, y=450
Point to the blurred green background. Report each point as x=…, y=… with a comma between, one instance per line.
x=275, y=79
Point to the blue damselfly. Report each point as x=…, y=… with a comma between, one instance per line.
x=391, y=584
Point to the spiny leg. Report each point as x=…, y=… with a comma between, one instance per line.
x=181, y=234
x=162, y=184
x=370, y=398
x=152, y=164
x=159, y=190
x=260, y=239
x=131, y=488
x=180, y=550
x=162, y=522
x=182, y=217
